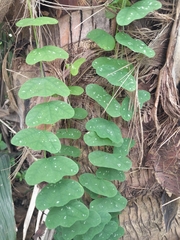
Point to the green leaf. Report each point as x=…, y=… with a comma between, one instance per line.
x=113, y=204
x=50, y=170
x=91, y=194
x=40, y=21
x=143, y=96
x=80, y=113
x=136, y=11
x=37, y=140
x=70, y=133
x=116, y=71
x=111, y=105
x=74, y=70
x=49, y=113
x=103, y=39
x=105, y=129
x=110, y=174
x=127, y=109
x=108, y=230
x=43, y=87
x=109, y=160
x=117, y=234
x=46, y=53
x=58, y=194
x=92, y=139
x=69, y=151
x=67, y=215
x=3, y=145
x=99, y=186
x=124, y=149
x=76, y=90
x=81, y=227
x=135, y=45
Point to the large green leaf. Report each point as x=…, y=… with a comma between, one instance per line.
x=117, y=71
x=59, y=194
x=82, y=227
x=46, y=53
x=43, y=87
x=113, y=204
x=37, y=140
x=110, y=174
x=110, y=228
x=69, y=151
x=49, y=113
x=67, y=215
x=111, y=105
x=103, y=39
x=26, y=22
x=135, y=45
x=137, y=10
x=50, y=170
x=109, y=160
x=105, y=129
x=97, y=185
x=70, y=133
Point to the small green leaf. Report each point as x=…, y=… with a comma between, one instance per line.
x=46, y=53
x=70, y=133
x=109, y=160
x=49, y=113
x=69, y=151
x=76, y=90
x=108, y=230
x=92, y=139
x=124, y=149
x=58, y=194
x=99, y=186
x=117, y=234
x=103, y=39
x=116, y=71
x=76, y=65
x=37, y=140
x=81, y=227
x=137, y=10
x=105, y=129
x=143, y=96
x=111, y=105
x=43, y=87
x=110, y=174
x=80, y=113
x=50, y=170
x=67, y=215
x=113, y=204
x=135, y=45
x=127, y=109
x=40, y=21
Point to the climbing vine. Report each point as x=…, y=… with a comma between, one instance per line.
x=62, y=195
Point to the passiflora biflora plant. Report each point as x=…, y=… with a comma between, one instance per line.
x=62, y=195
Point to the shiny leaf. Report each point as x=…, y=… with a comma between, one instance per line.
x=110, y=174
x=40, y=21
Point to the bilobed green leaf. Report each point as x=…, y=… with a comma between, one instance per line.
x=124, y=149
x=69, y=151
x=37, y=140
x=70, y=133
x=103, y=39
x=143, y=96
x=81, y=227
x=50, y=170
x=135, y=45
x=40, y=21
x=59, y=194
x=117, y=71
x=97, y=185
x=105, y=129
x=117, y=234
x=74, y=69
x=46, y=53
x=113, y=204
x=76, y=90
x=92, y=139
x=67, y=215
x=110, y=228
x=43, y=87
x=137, y=10
x=110, y=174
x=126, y=109
x=111, y=105
x=109, y=160
x=80, y=113
x=49, y=113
